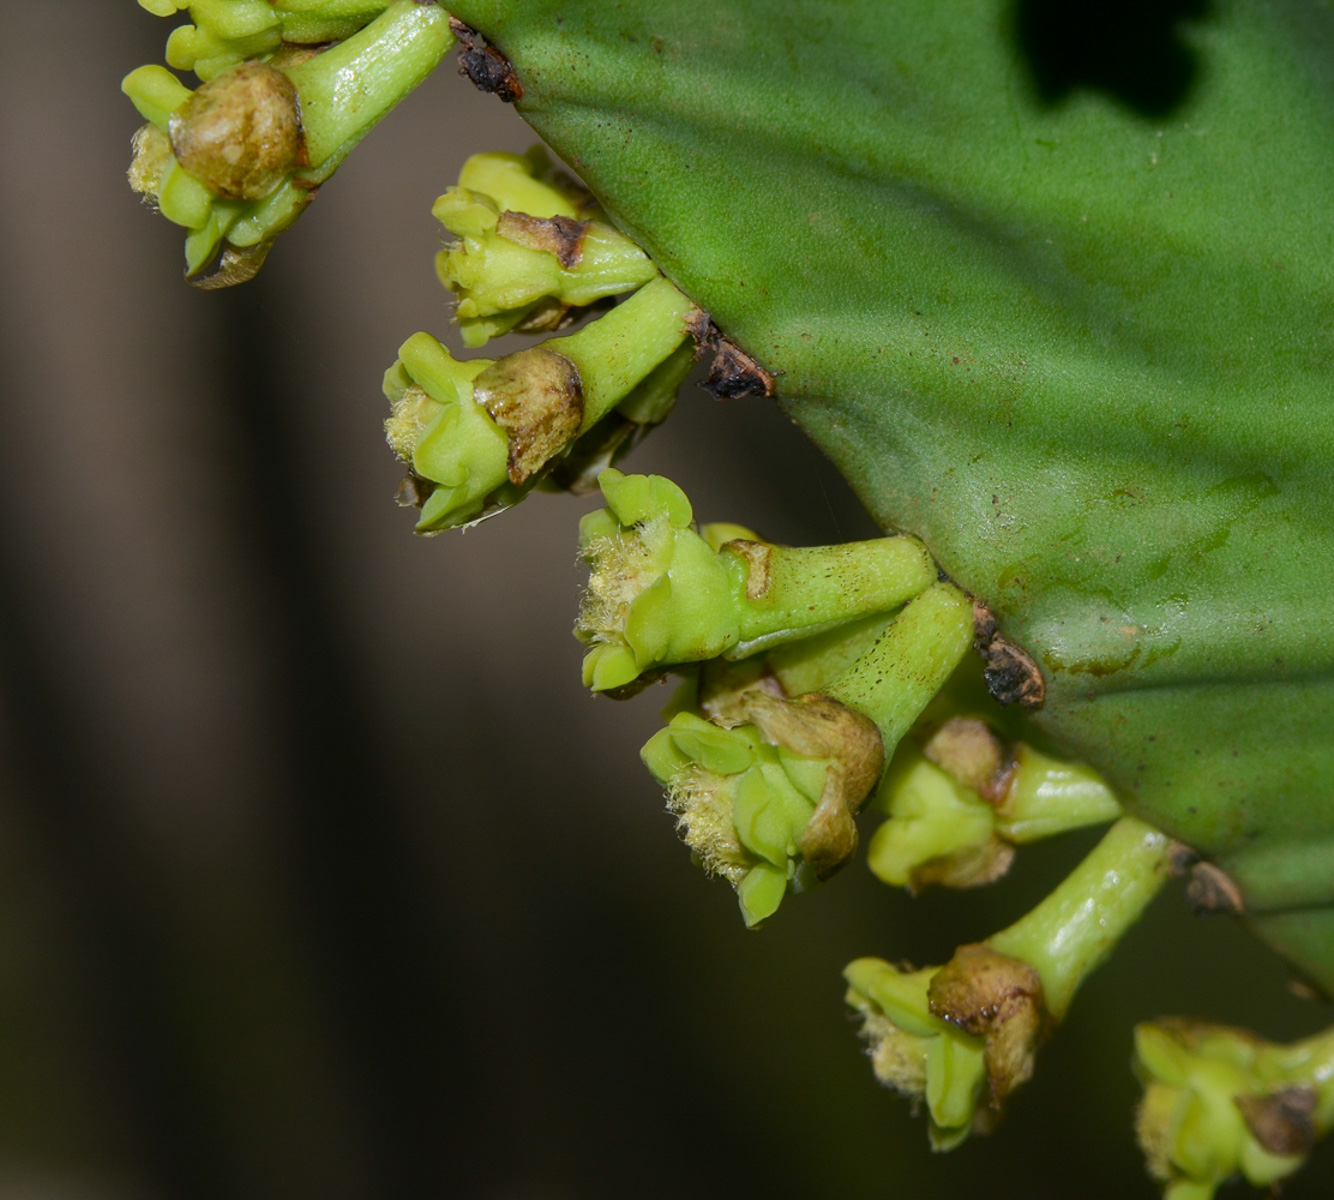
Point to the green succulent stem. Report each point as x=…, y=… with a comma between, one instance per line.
x=1075, y=928
x=347, y=89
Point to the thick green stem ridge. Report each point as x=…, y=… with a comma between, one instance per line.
x=660, y=595
x=237, y=161
x=1219, y=1101
x=1074, y=929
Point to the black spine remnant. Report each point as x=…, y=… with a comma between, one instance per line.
x=1012, y=675
x=733, y=373
x=481, y=62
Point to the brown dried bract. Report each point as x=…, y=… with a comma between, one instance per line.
x=1283, y=1122
x=757, y=556
x=1213, y=890
x=970, y=750
x=1012, y=674
x=735, y=374
x=413, y=491
x=236, y=264
x=240, y=133
x=537, y=398
x=999, y=998
x=703, y=330
x=974, y=866
x=489, y=70
x=561, y=236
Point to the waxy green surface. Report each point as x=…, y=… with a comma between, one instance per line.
x=1083, y=352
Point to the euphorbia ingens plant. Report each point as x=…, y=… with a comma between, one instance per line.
x=1052, y=296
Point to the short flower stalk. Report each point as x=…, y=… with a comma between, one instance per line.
x=238, y=160
x=776, y=809
x=478, y=435
x=959, y=806
x=1221, y=1102
x=1000, y=997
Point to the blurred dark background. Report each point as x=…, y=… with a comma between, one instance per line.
x=320, y=875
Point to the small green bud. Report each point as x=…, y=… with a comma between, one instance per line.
x=958, y=808
x=525, y=257
x=227, y=32
x=659, y=594
x=938, y=832
x=1220, y=1101
x=249, y=148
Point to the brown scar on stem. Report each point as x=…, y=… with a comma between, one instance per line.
x=489, y=70
x=537, y=398
x=1283, y=1122
x=1213, y=890
x=999, y=998
x=561, y=236
x=1012, y=674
